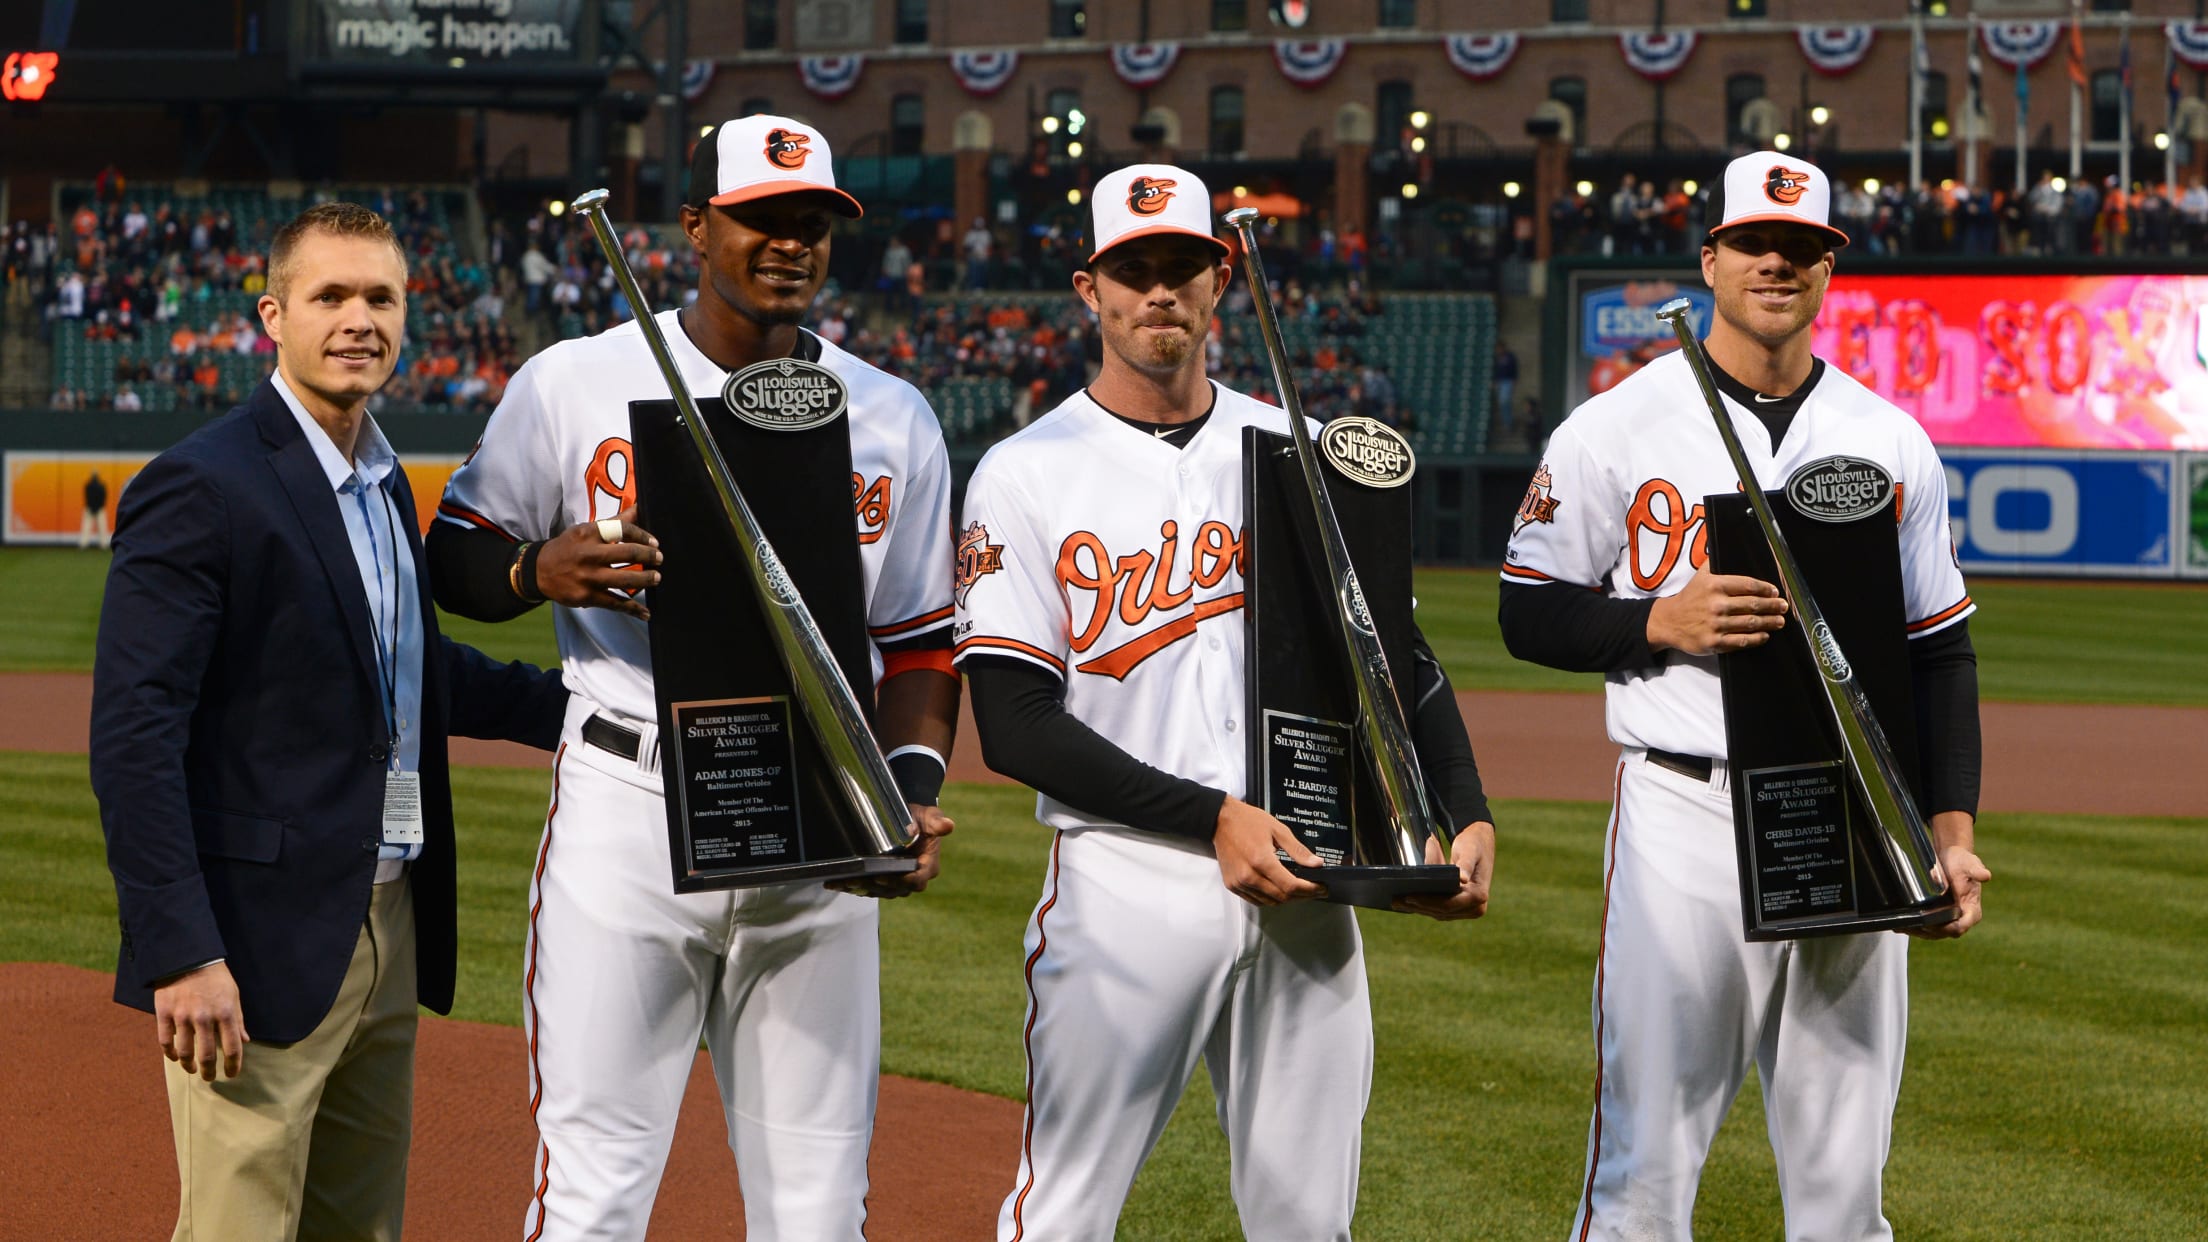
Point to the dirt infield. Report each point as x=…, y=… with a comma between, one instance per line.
x=2085, y=759
x=85, y=1133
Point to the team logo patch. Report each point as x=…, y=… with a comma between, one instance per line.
x=1540, y=504
x=977, y=557
x=1839, y=489
x=786, y=394
x=1368, y=451
x=788, y=150
x=1147, y=196
x=1783, y=185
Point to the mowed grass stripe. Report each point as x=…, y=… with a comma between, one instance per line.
x=2054, y=642
x=2053, y=1088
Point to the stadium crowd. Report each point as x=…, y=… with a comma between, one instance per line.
x=2053, y=217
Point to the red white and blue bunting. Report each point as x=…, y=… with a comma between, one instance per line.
x=2020, y=45
x=2189, y=43
x=1657, y=54
x=1481, y=56
x=1834, y=50
x=830, y=77
x=1309, y=63
x=1144, y=64
x=984, y=73
x=697, y=75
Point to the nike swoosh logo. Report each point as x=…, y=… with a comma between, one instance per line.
x=1763, y=400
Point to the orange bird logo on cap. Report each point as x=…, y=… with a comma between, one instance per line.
x=787, y=150
x=1147, y=197
x=1784, y=186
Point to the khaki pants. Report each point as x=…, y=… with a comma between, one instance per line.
x=310, y=1141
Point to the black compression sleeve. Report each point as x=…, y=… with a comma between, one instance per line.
x=1027, y=734
x=1943, y=675
x=1444, y=748
x=1574, y=629
x=468, y=569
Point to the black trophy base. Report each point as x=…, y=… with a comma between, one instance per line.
x=1376, y=888
x=1854, y=924
x=824, y=870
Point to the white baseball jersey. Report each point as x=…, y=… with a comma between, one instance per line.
x=1115, y=561
x=565, y=417
x=1618, y=500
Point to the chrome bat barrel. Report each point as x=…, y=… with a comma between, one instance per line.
x=1870, y=758
x=816, y=680
x=1381, y=726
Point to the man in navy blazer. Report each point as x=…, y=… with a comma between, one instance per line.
x=271, y=699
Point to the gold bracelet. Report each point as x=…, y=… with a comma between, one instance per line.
x=513, y=572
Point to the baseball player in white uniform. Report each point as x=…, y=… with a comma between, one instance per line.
x=1606, y=572
x=1100, y=626
x=622, y=974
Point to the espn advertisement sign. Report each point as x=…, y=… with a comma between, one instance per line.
x=448, y=34
x=2100, y=514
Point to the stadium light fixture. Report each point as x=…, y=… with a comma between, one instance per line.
x=1819, y=114
x=1410, y=189
x=1781, y=141
x=558, y=208
x=1418, y=144
x=1075, y=119
x=1241, y=191
x=2161, y=141
x=1074, y=149
x=1420, y=119
x=1585, y=188
x=1512, y=189
x=1939, y=127
x=703, y=130
x=1050, y=125
x=1073, y=196
x=2061, y=184
x=457, y=62
x=1937, y=8
x=1691, y=186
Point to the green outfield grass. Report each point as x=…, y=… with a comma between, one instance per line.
x=2054, y=1087
x=2057, y=642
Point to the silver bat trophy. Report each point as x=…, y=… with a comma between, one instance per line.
x=1903, y=833
x=1381, y=729
x=816, y=680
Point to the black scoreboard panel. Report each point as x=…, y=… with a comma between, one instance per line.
x=132, y=25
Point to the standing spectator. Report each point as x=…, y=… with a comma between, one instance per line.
x=2085, y=210
x=896, y=257
x=2115, y=221
x=1506, y=378
x=69, y=302
x=2049, y=217
x=1856, y=209
x=979, y=243
x=2193, y=208
x=1973, y=222
x=1674, y=234
x=94, y=527
x=1927, y=220
x=1624, y=216
x=2151, y=219
x=536, y=272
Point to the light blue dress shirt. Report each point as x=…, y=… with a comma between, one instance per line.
x=373, y=520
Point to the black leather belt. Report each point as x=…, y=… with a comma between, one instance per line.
x=625, y=742
x=1696, y=766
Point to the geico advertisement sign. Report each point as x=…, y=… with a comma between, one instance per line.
x=2039, y=513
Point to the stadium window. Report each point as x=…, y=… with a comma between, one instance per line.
x=1069, y=19
x=2108, y=106
x=761, y=22
x=1226, y=120
x=1741, y=89
x=1564, y=11
x=1392, y=115
x=1572, y=93
x=908, y=125
x=912, y=21
x=1063, y=107
x=757, y=105
x=1748, y=9
x=2111, y=6
x=1398, y=13
x=1230, y=14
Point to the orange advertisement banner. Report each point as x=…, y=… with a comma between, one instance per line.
x=45, y=491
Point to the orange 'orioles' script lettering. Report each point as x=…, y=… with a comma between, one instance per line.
x=871, y=501
x=1659, y=512
x=1134, y=586
x=598, y=478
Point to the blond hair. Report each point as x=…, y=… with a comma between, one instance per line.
x=336, y=219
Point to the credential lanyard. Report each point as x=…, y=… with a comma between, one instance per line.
x=387, y=654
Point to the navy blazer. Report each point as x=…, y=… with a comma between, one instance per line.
x=238, y=745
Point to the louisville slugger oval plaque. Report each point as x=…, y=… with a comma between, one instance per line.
x=1367, y=451
x=786, y=394
x=1839, y=489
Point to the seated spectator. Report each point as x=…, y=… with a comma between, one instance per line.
x=127, y=399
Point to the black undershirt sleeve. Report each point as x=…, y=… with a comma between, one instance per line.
x=1027, y=734
x=1943, y=676
x=1444, y=748
x=1574, y=629
x=468, y=572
